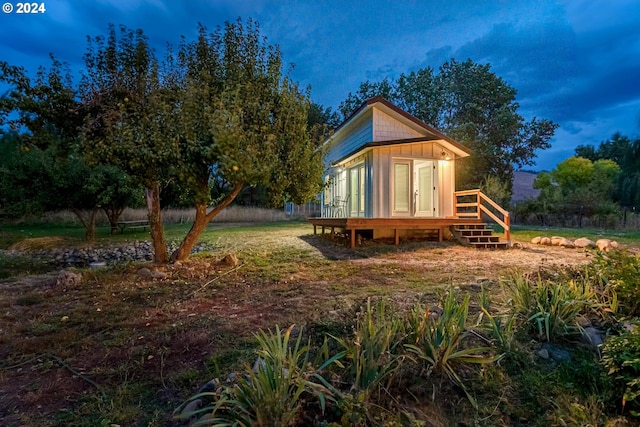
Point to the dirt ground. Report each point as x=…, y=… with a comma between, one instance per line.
x=125, y=348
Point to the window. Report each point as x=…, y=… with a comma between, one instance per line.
x=356, y=190
x=401, y=187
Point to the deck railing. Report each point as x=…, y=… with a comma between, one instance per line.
x=474, y=203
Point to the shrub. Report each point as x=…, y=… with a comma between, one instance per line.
x=437, y=341
x=621, y=356
x=620, y=271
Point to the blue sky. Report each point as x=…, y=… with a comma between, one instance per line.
x=576, y=62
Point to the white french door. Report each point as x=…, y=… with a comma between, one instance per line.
x=425, y=188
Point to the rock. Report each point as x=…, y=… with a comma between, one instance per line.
x=68, y=278
x=604, y=245
x=516, y=245
x=629, y=326
x=543, y=353
x=545, y=241
x=583, y=242
x=555, y=240
x=536, y=240
x=144, y=272
x=158, y=274
x=230, y=259
x=557, y=353
x=260, y=362
x=191, y=407
x=593, y=336
x=615, y=244
x=565, y=243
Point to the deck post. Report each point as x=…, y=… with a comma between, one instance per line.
x=314, y=230
x=440, y=233
x=507, y=231
x=353, y=239
x=331, y=235
x=396, y=237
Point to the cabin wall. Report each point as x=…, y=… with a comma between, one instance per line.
x=382, y=161
x=360, y=132
x=386, y=128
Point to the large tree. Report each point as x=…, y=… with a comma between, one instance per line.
x=626, y=153
x=42, y=167
x=220, y=112
x=472, y=104
x=579, y=187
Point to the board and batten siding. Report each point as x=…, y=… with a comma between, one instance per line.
x=382, y=162
x=386, y=128
x=360, y=133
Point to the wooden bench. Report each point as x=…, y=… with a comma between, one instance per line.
x=133, y=225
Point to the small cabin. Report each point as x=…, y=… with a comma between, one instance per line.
x=392, y=174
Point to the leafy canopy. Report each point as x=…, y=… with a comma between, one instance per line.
x=470, y=103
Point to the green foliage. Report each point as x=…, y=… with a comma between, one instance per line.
x=371, y=357
x=497, y=190
x=472, y=104
x=626, y=153
x=273, y=393
x=220, y=114
x=501, y=327
x=621, y=356
x=620, y=272
x=577, y=186
x=437, y=342
x=549, y=309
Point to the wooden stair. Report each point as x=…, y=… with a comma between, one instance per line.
x=478, y=236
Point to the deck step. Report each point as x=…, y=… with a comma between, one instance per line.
x=473, y=232
x=478, y=236
x=471, y=226
x=491, y=245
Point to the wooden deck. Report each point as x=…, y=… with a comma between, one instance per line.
x=352, y=225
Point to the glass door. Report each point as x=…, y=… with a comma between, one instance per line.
x=425, y=188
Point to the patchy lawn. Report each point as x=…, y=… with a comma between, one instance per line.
x=123, y=348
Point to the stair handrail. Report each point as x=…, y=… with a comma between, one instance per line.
x=480, y=209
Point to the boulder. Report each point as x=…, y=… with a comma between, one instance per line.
x=68, y=278
x=615, y=244
x=545, y=241
x=536, y=240
x=593, y=336
x=604, y=245
x=555, y=240
x=565, y=243
x=583, y=242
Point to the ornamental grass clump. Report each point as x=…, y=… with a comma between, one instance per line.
x=372, y=356
x=273, y=393
x=550, y=310
x=437, y=342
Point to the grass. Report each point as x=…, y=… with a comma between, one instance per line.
x=133, y=348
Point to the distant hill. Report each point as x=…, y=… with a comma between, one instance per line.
x=523, y=186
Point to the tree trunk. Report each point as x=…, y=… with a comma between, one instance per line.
x=113, y=214
x=89, y=223
x=155, y=223
x=200, y=223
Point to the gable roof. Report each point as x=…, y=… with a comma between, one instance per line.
x=400, y=114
